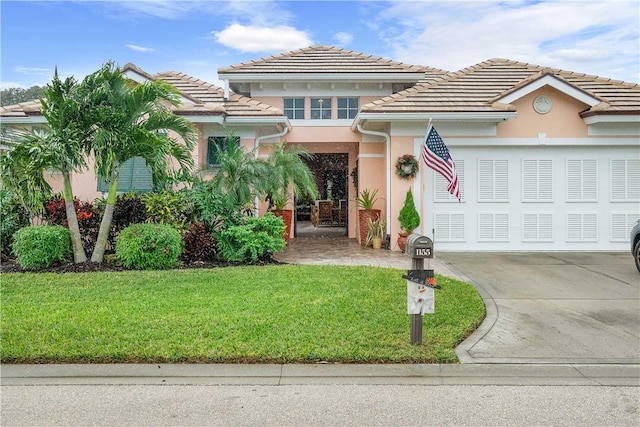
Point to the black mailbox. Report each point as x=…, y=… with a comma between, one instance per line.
x=419, y=246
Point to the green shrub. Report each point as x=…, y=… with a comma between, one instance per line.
x=258, y=238
x=12, y=218
x=409, y=217
x=149, y=246
x=167, y=207
x=37, y=247
x=215, y=209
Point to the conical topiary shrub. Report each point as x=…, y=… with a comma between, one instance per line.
x=409, y=219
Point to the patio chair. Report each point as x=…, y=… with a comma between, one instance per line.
x=325, y=212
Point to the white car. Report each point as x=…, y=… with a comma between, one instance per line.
x=635, y=243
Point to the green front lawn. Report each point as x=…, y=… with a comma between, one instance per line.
x=277, y=314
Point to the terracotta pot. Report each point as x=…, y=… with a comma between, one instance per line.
x=363, y=216
x=287, y=218
x=402, y=241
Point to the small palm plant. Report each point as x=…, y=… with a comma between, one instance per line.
x=377, y=229
x=286, y=168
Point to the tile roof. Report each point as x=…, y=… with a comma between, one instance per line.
x=209, y=99
x=480, y=87
x=23, y=109
x=319, y=60
x=202, y=99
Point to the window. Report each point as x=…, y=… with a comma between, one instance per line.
x=493, y=227
x=537, y=227
x=493, y=180
x=625, y=180
x=321, y=108
x=582, y=227
x=537, y=181
x=294, y=108
x=449, y=227
x=347, y=108
x=440, y=192
x=134, y=174
x=214, y=144
x=582, y=180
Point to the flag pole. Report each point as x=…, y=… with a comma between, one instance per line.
x=423, y=193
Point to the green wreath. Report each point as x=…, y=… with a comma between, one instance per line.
x=406, y=166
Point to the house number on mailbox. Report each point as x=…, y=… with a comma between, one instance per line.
x=426, y=252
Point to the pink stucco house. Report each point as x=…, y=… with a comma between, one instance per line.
x=547, y=159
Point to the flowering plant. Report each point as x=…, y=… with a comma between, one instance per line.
x=406, y=166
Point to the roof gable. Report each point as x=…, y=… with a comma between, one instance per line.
x=547, y=79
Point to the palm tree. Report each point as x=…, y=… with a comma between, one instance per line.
x=287, y=170
x=60, y=148
x=21, y=168
x=238, y=174
x=132, y=120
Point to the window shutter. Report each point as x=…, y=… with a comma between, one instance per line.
x=493, y=180
x=132, y=175
x=621, y=225
x=449, y=227
x=529, y=180
x=537, y=180
x=502, y=180
x=625, y=180
x=493, y=227
x=545, y=180
x=141, y=176
x=582, y=227
x=485, y=180
x=537, y=227
x=633, y=180
x=582, y=180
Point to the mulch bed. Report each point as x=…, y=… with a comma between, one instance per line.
x=10, y=266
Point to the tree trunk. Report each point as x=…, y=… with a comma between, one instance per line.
x=72, y=221
x=105, y=224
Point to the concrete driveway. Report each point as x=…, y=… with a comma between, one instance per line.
x=559, y=307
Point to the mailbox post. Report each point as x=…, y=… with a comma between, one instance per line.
x=420, y=283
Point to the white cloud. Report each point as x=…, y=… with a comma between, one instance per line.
x=140, y=48
x=590, y=37
x=35, y=71
x=260, y=39
x=343, y=39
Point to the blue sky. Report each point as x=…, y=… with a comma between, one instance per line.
x=198, y=37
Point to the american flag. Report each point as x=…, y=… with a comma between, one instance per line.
x=436, y=155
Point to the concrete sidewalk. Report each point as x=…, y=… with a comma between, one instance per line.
x=319, y=374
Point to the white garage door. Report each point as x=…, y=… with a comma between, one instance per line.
x=535, y=198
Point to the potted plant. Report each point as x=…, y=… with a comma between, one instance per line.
x=377, y=229
x=287, y=171
x=366, y=201
x=409, y=219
